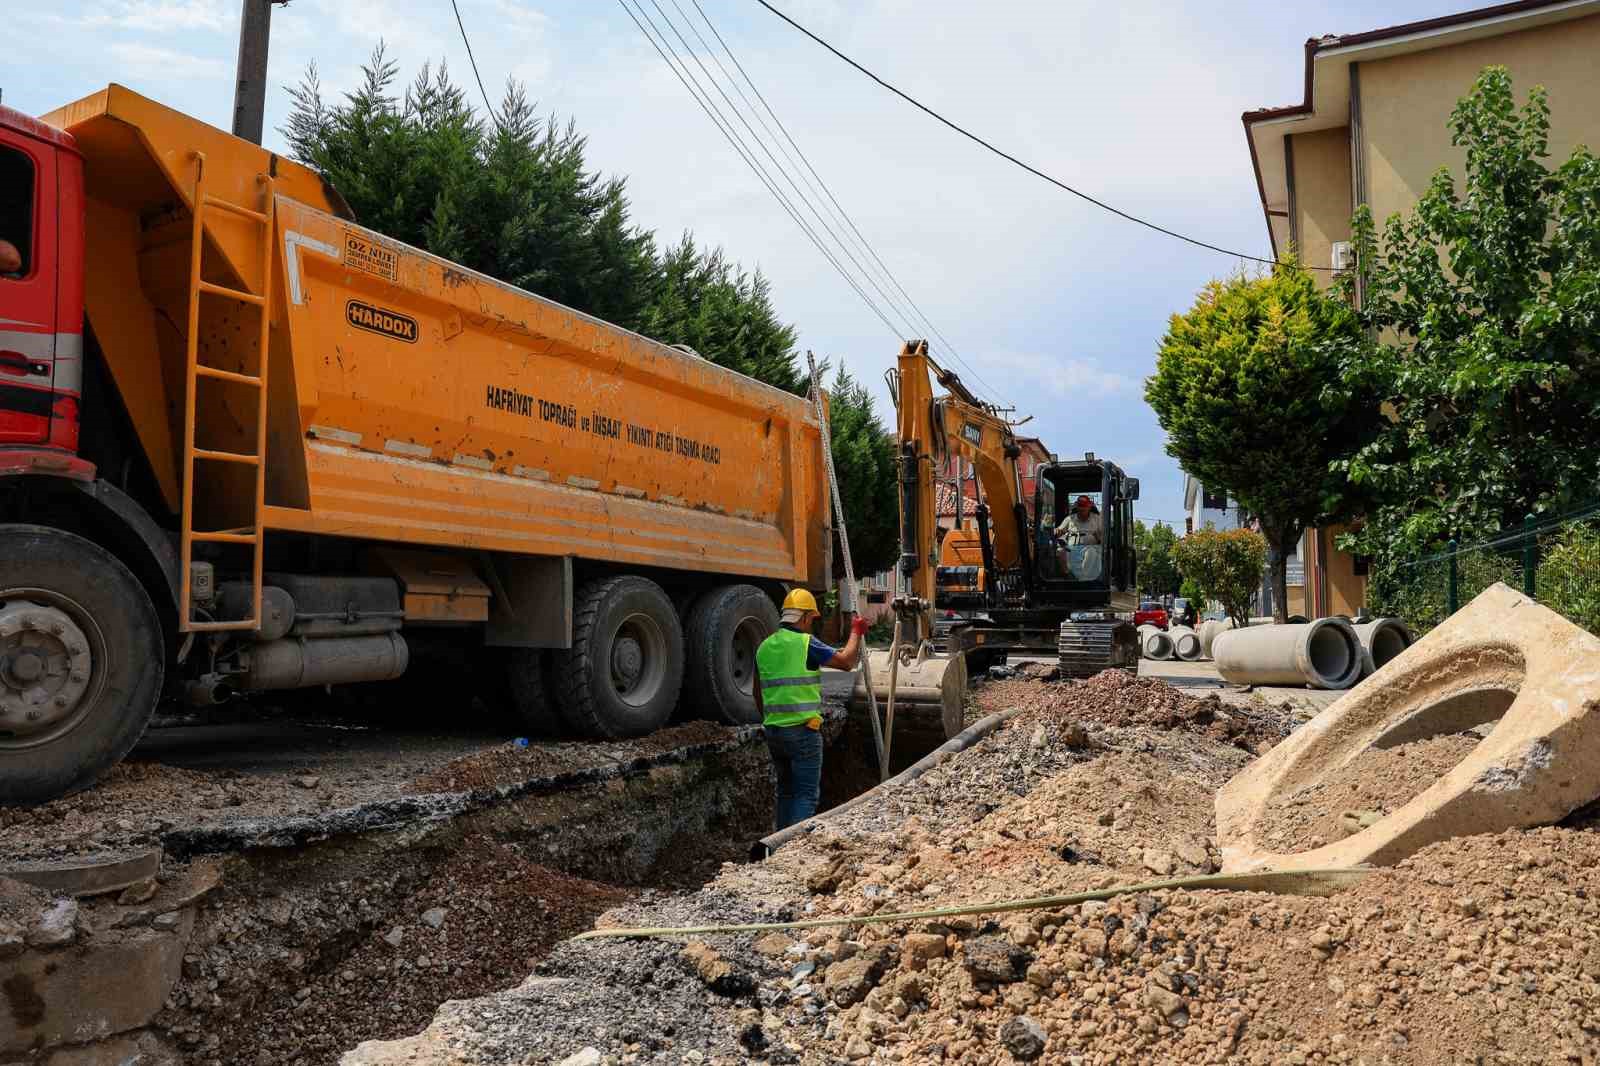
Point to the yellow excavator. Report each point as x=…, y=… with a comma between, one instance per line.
x=1030, y=590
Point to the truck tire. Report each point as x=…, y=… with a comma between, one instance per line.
x=622, y=675
x=81, y=662
x=721, y=634
x=530, y=683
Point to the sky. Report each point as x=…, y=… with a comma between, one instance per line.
x=1049, y=305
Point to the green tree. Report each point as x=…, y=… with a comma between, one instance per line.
x=1158, y=574
x=1487, y=300
x=512, y=199
x=1250, y=389
x=864, y=461
x=1225, y=565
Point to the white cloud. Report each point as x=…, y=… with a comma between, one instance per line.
x=1021, y=376
x=136, y=63
x=165, y=16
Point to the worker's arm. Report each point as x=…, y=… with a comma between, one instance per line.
x=847, y=657
x=761, y=704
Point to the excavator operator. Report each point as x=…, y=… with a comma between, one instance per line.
x=1081, y=533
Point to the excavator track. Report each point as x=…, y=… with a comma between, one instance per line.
x=1088, y=647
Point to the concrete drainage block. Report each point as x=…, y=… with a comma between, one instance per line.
x=1504, y=656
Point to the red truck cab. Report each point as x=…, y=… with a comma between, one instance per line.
x=41, y=304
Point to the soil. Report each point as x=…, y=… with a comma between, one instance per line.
x=1482, y=949
x=207, y=778
x=513, y=763
x=1376, y=782
x=262, y=986
x=1115, y=698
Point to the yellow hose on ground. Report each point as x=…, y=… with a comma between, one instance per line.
x=1281, y=882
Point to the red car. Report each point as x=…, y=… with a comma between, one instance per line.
x=1151, y=612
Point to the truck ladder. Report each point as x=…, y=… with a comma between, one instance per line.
x=194, y=370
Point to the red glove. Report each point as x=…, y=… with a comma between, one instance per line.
x=858, y=627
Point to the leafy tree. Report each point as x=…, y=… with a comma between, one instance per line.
x=1158, y=574
x=1250, y=390
x=1191, y=591
x=1569, y=575
x=864, y=460
x=1488, y=302
x=1225, y=565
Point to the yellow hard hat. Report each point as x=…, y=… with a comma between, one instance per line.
x=800, y=600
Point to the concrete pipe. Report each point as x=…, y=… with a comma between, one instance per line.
x=1322, y=654
x=1185, y=643
x=1154, y=643
x=1382, y=640
x=1209, y=631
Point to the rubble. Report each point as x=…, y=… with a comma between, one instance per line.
x=1483, y=948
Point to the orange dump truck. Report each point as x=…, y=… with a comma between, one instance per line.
x=247, y=444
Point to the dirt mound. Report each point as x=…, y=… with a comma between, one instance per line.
x=1117, y=698
x=511, y=764
x=1376, y=782
x=1437, y=960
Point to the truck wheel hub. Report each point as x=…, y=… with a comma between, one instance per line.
x=627, y=659
x=45, y=668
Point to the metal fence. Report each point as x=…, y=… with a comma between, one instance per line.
x=1555, y=561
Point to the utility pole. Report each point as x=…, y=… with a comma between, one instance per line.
x=250, y=91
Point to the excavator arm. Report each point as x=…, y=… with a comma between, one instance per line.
x=930, y=428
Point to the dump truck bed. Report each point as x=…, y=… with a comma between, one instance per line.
x=413, y=400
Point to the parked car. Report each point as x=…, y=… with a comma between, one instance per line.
x=1151, y=613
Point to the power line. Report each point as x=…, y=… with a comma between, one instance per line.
x=470, y=59
x=749, y=160
x=1035, y=171
x=841, y=213
x=782, y=170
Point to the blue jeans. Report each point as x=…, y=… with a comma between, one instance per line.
x=797, y=762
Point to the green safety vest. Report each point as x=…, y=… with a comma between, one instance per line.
x=790, y=693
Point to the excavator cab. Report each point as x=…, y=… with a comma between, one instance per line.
x=1087, y=562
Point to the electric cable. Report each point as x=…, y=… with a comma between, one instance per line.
x=727, y=132
x=762, y=144
x=472, y=60
x=1035, y=171
x=799, y=154
x=733, y=140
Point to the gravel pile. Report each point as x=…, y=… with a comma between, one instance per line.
x=1376, y=782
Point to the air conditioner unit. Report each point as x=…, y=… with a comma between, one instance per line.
x=1343, y=255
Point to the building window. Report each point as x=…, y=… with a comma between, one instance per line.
x=1361, y=564
x=1213, y=501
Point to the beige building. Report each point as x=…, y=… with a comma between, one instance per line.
x=1373, y=128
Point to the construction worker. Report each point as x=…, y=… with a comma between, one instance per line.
x=10, y=258
x=789, y=697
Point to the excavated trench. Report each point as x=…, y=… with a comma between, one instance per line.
x=291, y=937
